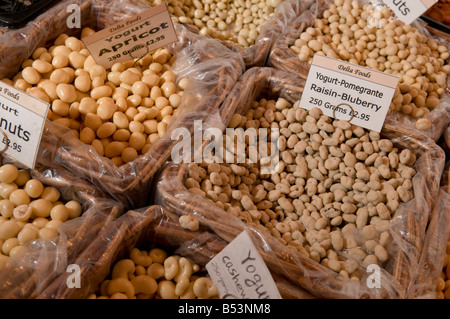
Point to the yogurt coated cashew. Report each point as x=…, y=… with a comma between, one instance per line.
x=123, y=269
x=140, y=257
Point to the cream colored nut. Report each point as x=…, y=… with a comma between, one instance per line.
x=41, y=207
x=6, y=208
x=54, y=224
x=60, y=76
x=9, y=229
x=166, y=290
x=144, y=284
x=8, y=173
x=19, y=197
x=7, y=189
x=155, y=270
x=204, y=288
x=30, y=75
x=122, y=285
x=124, y=268
x=51, y=193
x=26, y=235
x=9, y=245
x=22, y=213
x=34, y=188
x=140, y=257
x=47, y=233
x=66, y=92
x=59, y=212
x=171, y=267
x=189, y=222
x=157, y=255
x=380, y=253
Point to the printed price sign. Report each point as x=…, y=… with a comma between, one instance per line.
x=348, y=91
x=239, y=272
x=22, y=120
x=133, y=38
x=408, y=10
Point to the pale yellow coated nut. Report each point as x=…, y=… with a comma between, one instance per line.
x=51, y=194
x=155, y=270
x=47, y=233
x=34, y=188
x=9, y=229
x=123, y=269
x=41, y=207
x=6, y=208
x=8, y=173
x=171, y=267
x=166, y=290
x=204, y=288
x=122, y=285
x=144, y=284
x=59, y=212
x=189, y=222
x=74, y=208
x=22, y=213
x=19, y=197
x=140, y=257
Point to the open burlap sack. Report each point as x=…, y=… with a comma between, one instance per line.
x=413, y=234
x=210, y=67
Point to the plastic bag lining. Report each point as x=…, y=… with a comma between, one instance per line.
x=26, y=277
x=211, y=68
x=282, y=58
x=408, y=226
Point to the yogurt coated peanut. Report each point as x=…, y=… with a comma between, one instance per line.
x=29, y=210
x=334, y=188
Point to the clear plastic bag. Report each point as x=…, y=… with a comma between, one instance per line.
x=211, y=68
x=282, y=58
x=44, y=260
x=145, y=228
x=412, y=236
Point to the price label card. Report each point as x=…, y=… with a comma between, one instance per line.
x=408, y=10
x=132, y=38
x=22, y=120
x=239, y=272
x=348, y=91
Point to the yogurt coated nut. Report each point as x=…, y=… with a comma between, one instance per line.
x=331, y=192
x=29, y=210
x=84, y=94
x=161, y=276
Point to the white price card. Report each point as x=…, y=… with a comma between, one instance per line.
x=347, y=91
x=408, y=11
x=239, y=272
x=132, y=38
x=22, y=120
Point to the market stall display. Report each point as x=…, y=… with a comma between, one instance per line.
x=247, y=27
x=125, y=122
x=130, y=190
x=365, y=35
x=258, y=200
